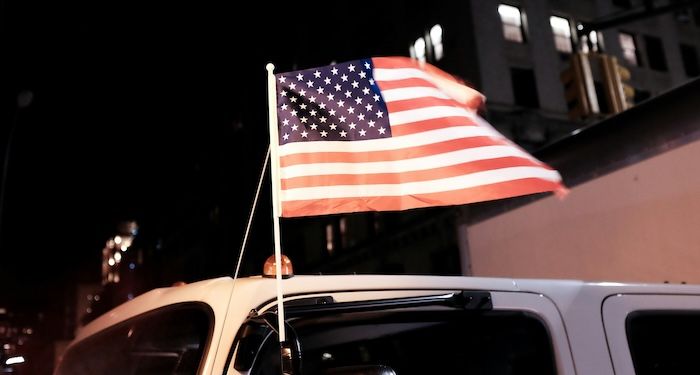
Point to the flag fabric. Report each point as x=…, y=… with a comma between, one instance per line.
x=385, y=134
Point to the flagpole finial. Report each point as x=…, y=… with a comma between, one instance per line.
x=270, y=67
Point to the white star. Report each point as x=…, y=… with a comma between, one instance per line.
x=348, y=94
x=294, y=112
x=302, y=106
x=344, y=78
x=361, y=116
x=363, y=132
x=322, y=105
x=320, y=90
x=363, y=74
x=365, y=91
x=327, y=81
x=330, y=96
x=351, y=110
x=368, y=107
x=285, y=136
x=367, y=65
x=341, y=103
x=343, y=133
x=310, y=83
x=283, y=93
x=317, y=74
x=322, y=119
x=304, y=120
x=337, y=87
x=332, y=112
x=312, y=99
x=371, y=123
x=304, y=134
x=285, y=122
x=355, y=84
x=313, y=112
x=302, y=92
x=295, y=127
x=324, y=133
x=341, y=118
x=314, y=126
x=380, y=114
x=334, y=71
x=351, y=68
x=282, y=79
x=333, y=126
x=358, y=100
x=300, y=77
x=371, y=81
x=376, y=97
x=293, y=86
x=293, y=99
x=382, y=130
x=352, y=125
x=284, y=106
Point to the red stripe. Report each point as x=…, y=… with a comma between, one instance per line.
x=455, y=197
x=425, y=125
x=403, y=83
x=426, y=101
x=394, y=62
x=400, y=178
x=390, y=155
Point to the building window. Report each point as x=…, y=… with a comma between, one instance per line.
x=512, y=21
x=655, y=53
x=524, y=87
x=561, y=28
x=629, y=49
x=690, y=60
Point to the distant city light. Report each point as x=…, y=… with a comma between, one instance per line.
x=14, y=360
x=118, y=257
x=117, y=239
x=130, y=296
x=125, y=247
x=6, y=346
x=132, y=266
x=97, y=297
x=110, y=261
x=3, y=310
x=419, y=47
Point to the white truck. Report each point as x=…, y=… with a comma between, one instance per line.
x=365, y=324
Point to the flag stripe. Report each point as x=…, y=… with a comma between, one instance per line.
x=412, y=92
x=419, y=127
x=403, y=83
x=325, y=206
x=420, y=187
x=394, y=143
x=399, y=178
x=405, y=105
x=390, y=155
x=427, y=113
x=403, y=165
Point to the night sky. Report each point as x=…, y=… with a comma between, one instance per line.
x=141, y=110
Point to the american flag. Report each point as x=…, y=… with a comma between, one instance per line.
x=386, y=134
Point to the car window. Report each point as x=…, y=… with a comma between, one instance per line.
x=418, y=342
x=664, y=342
x=168, y=341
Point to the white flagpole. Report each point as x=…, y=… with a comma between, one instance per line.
x=274, y=143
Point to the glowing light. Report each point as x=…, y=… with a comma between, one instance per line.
x=6, y=346
x=111, y=261
x=118, y=240
x=124, y=247
x=118, y=257
x=97, y=297
x=132, y=266
x=419, y=47
x=14, y=360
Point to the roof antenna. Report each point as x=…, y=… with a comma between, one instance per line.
x=250, y=217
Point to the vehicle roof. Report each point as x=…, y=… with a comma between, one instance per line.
x=217, y=292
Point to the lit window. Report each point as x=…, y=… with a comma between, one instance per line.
x=629, y=48
x=418, y=49
x=329, y=238
x=561, y=28
x=512, y=23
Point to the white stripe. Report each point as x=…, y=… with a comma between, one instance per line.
x=427, y=113
x=394, y=143
x=395, y=74
x=406, y=93
x=404, y=165
x=422, y=187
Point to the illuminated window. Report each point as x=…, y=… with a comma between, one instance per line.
x=418, y=49
x=329, y=238
x=512, y=21
x=561, y=28
x=436, y=40
x=629, y=48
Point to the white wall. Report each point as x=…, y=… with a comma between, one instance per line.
x=640, y=223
